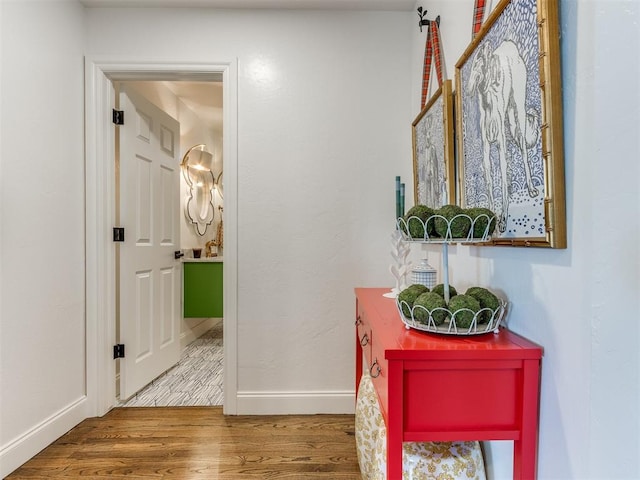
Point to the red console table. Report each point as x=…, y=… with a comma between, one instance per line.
x=448, y=388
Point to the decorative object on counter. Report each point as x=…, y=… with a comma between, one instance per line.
x=509, y=124
x=218, y=241
x=196, y=166
x=433, y=305
x=418, y=227
x=424, y=274
x=398, y=214
x=475, y=312
x=486, y=299
x=208, y=249
x=400, y=267
x=484, y=221
x=446, y=291
x=449, y=223
x=399, y=197
x=197, y=252
x=408, y=296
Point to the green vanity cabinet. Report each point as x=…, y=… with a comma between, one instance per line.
x=202, y=289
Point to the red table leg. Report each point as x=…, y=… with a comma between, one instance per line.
x=394, y=422
x=525, y=449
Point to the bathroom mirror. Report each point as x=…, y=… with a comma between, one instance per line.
x=196, y=169
x=219, y=185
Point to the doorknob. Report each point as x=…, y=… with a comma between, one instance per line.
x=177, y=254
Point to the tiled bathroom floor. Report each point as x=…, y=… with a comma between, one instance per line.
x=196, y=380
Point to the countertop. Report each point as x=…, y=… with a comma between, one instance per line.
x=201, y=260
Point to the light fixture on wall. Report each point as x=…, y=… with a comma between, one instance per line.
x=196, y=167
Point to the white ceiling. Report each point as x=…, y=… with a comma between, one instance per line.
x=385, y=5
x=204, y=98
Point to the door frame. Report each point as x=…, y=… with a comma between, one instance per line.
x=100, y=191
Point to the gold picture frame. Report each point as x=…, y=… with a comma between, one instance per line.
x=433, y=151
x=509, y=124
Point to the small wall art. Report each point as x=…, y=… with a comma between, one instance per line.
x=509, y=124
x=433, y=151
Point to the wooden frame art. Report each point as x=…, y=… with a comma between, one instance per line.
x=433, y=151
x=509, y=124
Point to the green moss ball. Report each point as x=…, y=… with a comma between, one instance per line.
x=417, y=225
x=482, y=217
x=409, y=295
x=486, y=299
x=460, y=226
x=464, y=318
x=431, y=301
x=439, y=289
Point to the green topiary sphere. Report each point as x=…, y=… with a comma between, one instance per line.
x=481, y=217
x=460, y=226
x=486, y=299
x=416, y=225
x=464, y=318
x=439, y=289
x=409, y=295
x=431, y=301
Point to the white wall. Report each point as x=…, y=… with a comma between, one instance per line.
x=323, y=128
x=580, y=304
x=42, y=354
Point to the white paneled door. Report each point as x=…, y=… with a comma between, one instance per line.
x=149, y=274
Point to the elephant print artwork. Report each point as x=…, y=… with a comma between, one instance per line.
x=501, y=103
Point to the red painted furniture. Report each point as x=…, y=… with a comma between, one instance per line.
x=448, y=388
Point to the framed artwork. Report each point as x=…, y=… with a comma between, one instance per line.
x=509, y=124
x=433, y=151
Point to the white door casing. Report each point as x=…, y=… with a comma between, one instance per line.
x=100, y=72
x=149, y=273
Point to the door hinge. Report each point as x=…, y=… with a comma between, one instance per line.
x=118, y=351
x=118, y=117
x=118, y=234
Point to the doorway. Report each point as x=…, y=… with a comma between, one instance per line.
x=194, y=377
x=100, y=76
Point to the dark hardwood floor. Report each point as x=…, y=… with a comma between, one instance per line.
x=200, y=443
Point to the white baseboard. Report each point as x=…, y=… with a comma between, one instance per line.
x=295, y=403
x=193, y=332
x=25, y=446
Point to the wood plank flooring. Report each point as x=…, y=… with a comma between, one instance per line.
x=200, y=443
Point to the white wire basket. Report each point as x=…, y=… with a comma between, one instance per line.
x=453, y=324
x=478, y=231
